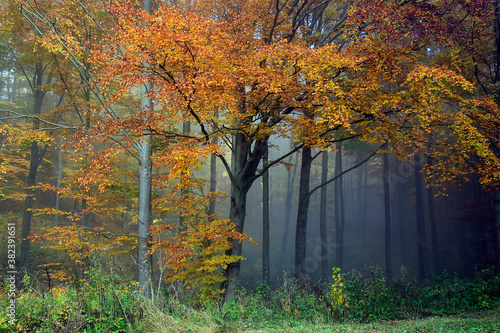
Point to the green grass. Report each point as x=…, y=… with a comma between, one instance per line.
x=487, y=321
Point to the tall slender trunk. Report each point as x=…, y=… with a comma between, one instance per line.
x=387, y=209
x=497, y=225
x=28, y=205
x=401, y=219
x=213, y=173
x=265, y=221
x=126, y=218
x=213, y=178
x=59, y=177
x=339, y=209
x=496, y=4
x=365, y=205
x=322, y=219
x=144, y=202
x=421, y=236
x=36, y=156
x=288, y=208
x=432, y=219
x=301, y=230
x=186, y=128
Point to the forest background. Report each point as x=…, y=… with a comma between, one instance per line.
x=189, y=144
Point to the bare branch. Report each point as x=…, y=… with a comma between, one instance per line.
x=20, y=115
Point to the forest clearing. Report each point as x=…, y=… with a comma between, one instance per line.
x=253, y=166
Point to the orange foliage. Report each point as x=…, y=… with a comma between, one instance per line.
x=249, y=68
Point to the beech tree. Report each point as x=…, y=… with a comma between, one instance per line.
x=36, y=65
x=266, y=79
x=315, y=72
x=111, y=123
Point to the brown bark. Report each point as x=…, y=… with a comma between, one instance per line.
x=325, y=274
x=36, y=156
x=421, y=236
x=339, y=209
x=387, y=210
x=301, y=230
x=265, y=221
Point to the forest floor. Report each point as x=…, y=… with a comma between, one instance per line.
x=478, y=322
x=487, y=322
x=348, y=303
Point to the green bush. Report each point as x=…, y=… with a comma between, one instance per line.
x=103, y=304
x=372, y=298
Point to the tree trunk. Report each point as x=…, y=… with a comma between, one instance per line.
x=365, y=206
x=432, y=219
x=288, y=208
x=401, y=219
x=144, y=202
x=495, y=148
x=59, y=177
x=322, y=219
x=497, y=224
x=301, y=230
x=186, y=128
x=237, y=216
x=421, y=237
x=265, y=221
x=387, y=209
x=339, y=209
x=213, y=179
x=246, y=159
x=28, y=205
x=36, y=156
x=144, y=214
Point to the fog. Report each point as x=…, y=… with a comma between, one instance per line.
x=461, y=226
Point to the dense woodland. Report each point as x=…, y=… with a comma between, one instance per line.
x=214, y=145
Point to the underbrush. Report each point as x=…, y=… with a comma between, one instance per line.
x=107, y=304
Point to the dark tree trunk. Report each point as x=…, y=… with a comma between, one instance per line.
x=365, y=206
x=401, y=219
x=58, y=152
x=496, y=149
x=421, y=236
x=36, y=156
x=432, y=220
x=288, y=208
x=35, y=160
x=387, y=210
x=213, y=178
x=301, y=230
x=265, y=221
x=246, y=159
x=186, y=128
x=339, y=209
x=238, y=211
x=497, y=225
x=322, y=220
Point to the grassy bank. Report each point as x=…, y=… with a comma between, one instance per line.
x=347, y=303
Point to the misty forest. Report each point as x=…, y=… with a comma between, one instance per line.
x=250, y=166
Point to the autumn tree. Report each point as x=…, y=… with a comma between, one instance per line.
x=315, y=72
x=373, y=80
x=132, y=131
x=36, y=65
x=238, y=87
